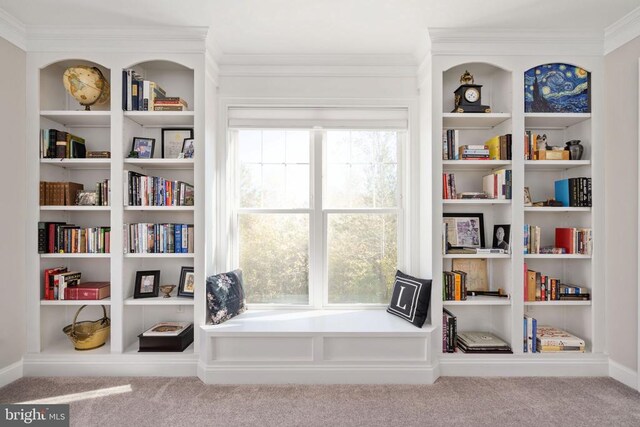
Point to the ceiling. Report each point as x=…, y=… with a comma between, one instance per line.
x=323, y=27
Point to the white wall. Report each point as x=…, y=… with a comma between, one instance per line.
x=621, y=194
x=13, y=212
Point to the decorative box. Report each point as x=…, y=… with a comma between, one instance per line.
x=88, y=291
x=553, y=155
x=177, y=337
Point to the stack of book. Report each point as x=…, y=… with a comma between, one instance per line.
x=498, y=185
x=57, y=144
x=449, y=331
x=143, y=190
x=449, y=186
x=60, y=237
x=59, y=193
x=139, y=94
x=550, y=339
x=531, y=239
x=574, y=240
x=573, y=192
x=499, y=147
x=482, y=343
x=158, y=238
x=473, y=152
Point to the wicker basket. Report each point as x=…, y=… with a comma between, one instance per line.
x=88, y=335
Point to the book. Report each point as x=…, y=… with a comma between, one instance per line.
x=531, y=329
x=164, y=329
x=551, y=338
x=169, y=107
x=479, y=340
x=66, y=279
x=88, y=291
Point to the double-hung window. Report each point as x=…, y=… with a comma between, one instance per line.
x=317, y=214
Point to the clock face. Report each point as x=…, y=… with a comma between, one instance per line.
x=472, y=95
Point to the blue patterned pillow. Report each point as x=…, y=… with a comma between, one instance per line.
x=225, y=297
x=410, y=298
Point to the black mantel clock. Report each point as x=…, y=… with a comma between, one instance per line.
x=468, y=96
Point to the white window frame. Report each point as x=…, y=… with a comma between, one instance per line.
x=226, y=251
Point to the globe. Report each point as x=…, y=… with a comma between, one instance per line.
x=86, y=84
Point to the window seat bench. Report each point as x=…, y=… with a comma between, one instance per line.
x=316, y=346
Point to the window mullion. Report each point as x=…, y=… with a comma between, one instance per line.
x=317, y=246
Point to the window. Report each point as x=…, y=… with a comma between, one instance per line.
x=317, y=216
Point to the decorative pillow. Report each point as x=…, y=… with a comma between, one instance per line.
x=410, y=298
x=225, y=297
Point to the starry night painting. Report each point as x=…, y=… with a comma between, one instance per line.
x=557, y=88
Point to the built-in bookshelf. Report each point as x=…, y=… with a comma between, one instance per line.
x=107, y=128
x=502, y=90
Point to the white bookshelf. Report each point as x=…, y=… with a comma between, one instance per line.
x=502, y=80
x=108, y=128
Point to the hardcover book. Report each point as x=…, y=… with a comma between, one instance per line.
x=88, y=291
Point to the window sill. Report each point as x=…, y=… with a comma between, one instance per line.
x=358, y=322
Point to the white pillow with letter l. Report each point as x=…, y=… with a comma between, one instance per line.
x=410, y=298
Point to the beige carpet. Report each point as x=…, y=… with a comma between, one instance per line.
x=450, y=401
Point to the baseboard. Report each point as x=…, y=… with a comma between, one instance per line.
x=461, y=365
x=623, y=374
x=11, y=373
x=111, y=365
x=296, y=374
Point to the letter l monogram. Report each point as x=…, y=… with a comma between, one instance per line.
x=399, y=298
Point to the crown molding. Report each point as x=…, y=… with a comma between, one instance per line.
x=13, y=30
x=622, y=31
x=449, y=41
x=116, y=39
x=304, y=65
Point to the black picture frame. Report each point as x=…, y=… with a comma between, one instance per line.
x=506, y=237
x=173, y=141
x=187, y=284
x=464, y=230
x=188, y=148
x=141, y=289
x=141, y=146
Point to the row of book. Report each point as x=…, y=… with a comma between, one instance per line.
x=454, y=285
x=143, y=190
x=478, y=342
x=158, y=238
x=72, y=193
x=57, y=144
x=541, y=287
x=498, y=185
x=573, y=192
x=449, y=186
x=62, y=284
x=496, y=148
x=449, y=331
x=60, y=237
x=139, y=94
x=568, y=240
x=548, y=339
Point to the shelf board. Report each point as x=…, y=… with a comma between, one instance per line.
x=159, y=208
x=552, y=303
x=78, y=163
x=557, y=256
x=76, y=208
x=480, y=300
x=554, y=165
x=474, y=164
x=555, y=209
x=186, y=354
x=473, y=120
x=65, y=347
x=554, y=120
x=174, y=300
x=78, y=118
x=106, y=301
x=75, y=255
x=161, y=163
x=131, y=255
x=476, y=202
x=161, y=118
x=499, y=256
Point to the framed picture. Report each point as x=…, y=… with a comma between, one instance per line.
x=187, y=282
x=527, y=197
x=173, y=141
x=147, y=284
x=501, y=236
x=187, y=148
x=464, y=230
x=557, y=88
x=476, y=269
x=143, y=146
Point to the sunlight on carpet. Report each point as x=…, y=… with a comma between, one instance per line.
x=93, y=394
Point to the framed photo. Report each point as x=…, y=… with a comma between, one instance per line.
x=173, y=141
x=464, y=230
x=143, y=146
x=187, y=282
x=147, y=284
x=501, y=236
x=476, y=269
x=527, y=197
x=187, y=148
